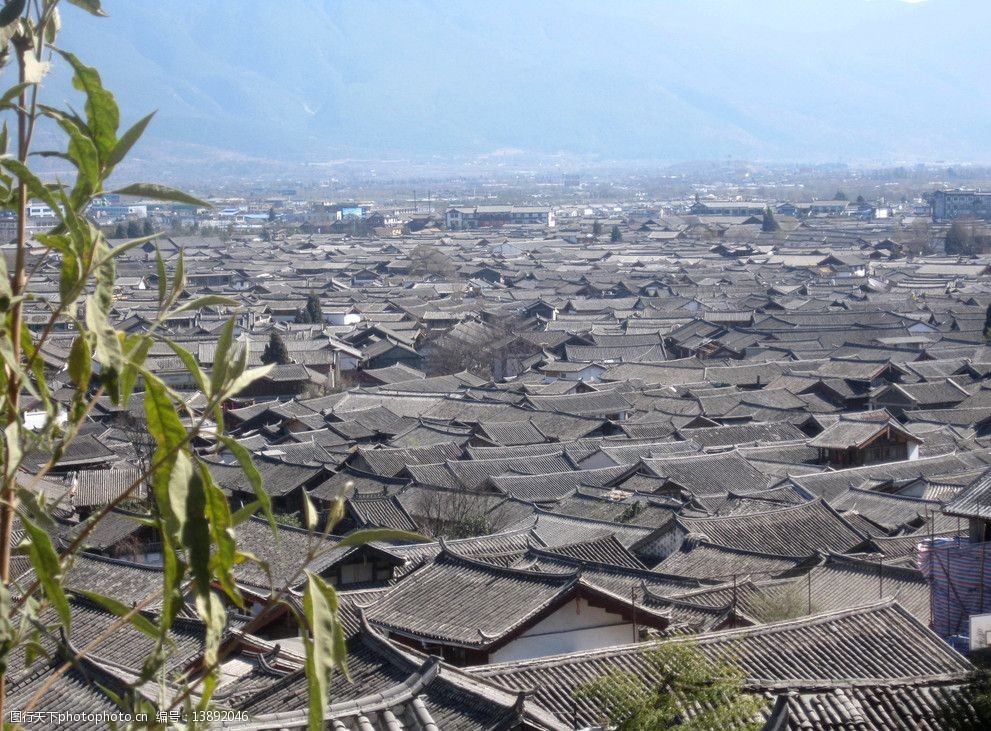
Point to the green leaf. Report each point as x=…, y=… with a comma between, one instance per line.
x=178, y=280
x=161, y=193
x=207, y=300
x=86, y=158
x=102, y=113
x=35, y=187
x=119, y=609
x=70, y=283
x=191, y=364
x=132, y=243
x=162, y=283
x=243, y=457
x=173, y=476
x=218, y=373
x=360, y=537
x=127, y=140
x=136, y=349
x=6, y=293
x=244, y=512
x=9, y=360
x=15, y=453
x=47, y=568
x=211, y=611
x=11, y=11
x=247, y=378
x=90, y=6
x=60, y=242
x=223, y=558
x=12, y=93
x=28, y=502
x=53, y=26
x=108, y=349
x=82, y=151
x=80, y=362
x=173, y=571
x=196, y=531
x=325, y=647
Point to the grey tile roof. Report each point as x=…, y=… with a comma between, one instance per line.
x=974, y=501
x=797, y=530
x=456, y=600
x=700, y=559
x=876, y=644
x=709, y=473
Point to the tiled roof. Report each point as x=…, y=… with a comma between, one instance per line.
x=876, y=644
x=704, y=560
x=798, y=530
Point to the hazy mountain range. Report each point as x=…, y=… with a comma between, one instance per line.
x=316, y=80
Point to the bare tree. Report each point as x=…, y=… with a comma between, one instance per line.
x=490, y=349
x=458, y=513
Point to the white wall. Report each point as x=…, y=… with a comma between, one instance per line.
x=574, y=627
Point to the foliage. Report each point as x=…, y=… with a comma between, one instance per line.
x=276, y=352
x=189, y=512
x=965, y=239
x=425, y=259
x=312, y=312
x=791, y=602
x=968, y=709
x=840, y=196
x=597, y=228
x=470, y=526
x=489, y=357
x=769, y=224
x=458, y=513
x=615, y=236
x=288, y=519
x=678, y=688
x=987, y=324
x=632, y=511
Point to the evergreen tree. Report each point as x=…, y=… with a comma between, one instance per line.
x=597, y=228
x=987, y=324
x=148, y=228
x=313, y=310
x=840, y=196
x=276, y=351
x=120, y=231
x=134, y=229
x=861, y=200
x=616, y=235
x=271, y=214
x=959, y=239
x=769, y=223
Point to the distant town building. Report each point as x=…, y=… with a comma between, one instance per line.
x=727, y=208
x=827, y=208
x=495, y=216
x=950, y=204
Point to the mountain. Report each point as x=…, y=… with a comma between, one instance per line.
x=316, y=80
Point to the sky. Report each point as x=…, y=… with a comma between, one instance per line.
x=663, y=80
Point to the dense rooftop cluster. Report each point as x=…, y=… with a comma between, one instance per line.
x=707, y=432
